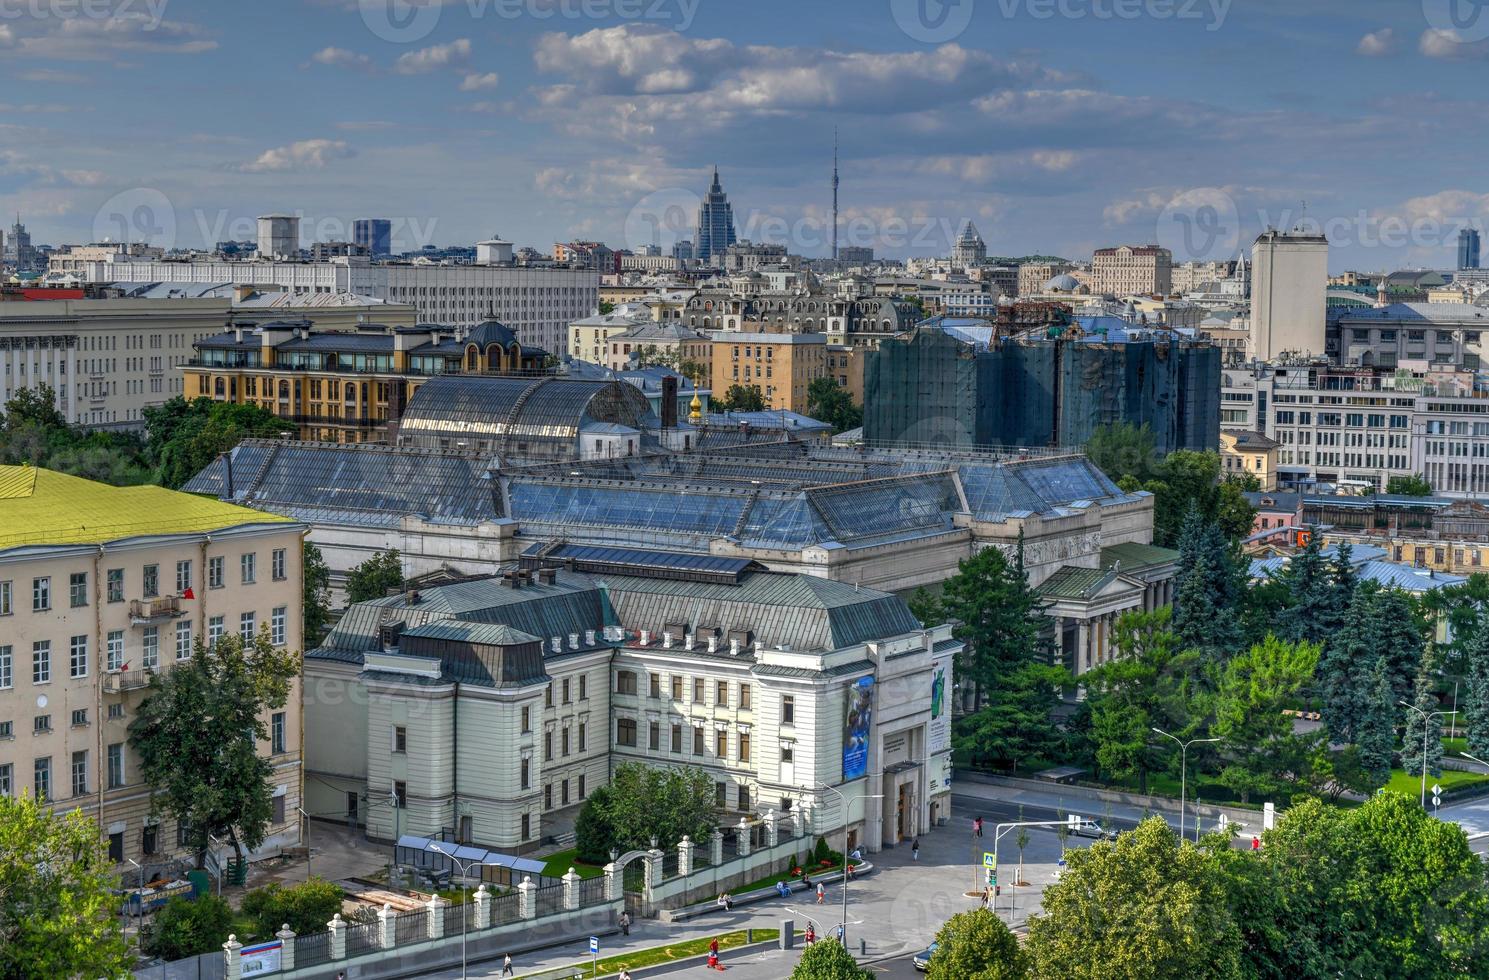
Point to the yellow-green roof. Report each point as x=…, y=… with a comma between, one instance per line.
x=43, y=507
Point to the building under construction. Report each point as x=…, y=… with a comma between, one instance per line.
x=960, y=383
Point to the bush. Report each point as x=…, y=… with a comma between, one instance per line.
x=827, y=960
x=820, y=852
x=188, y=926
x=305, y=907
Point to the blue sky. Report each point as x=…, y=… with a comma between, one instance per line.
x=1055, y=125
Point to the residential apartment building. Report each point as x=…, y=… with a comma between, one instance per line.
x=780, y=365
x=1132, y=270
x=589, y=338
x=1244, y=453
x=103, y=587
x=1290, y=274
x=668, y=343
x=1033, y=275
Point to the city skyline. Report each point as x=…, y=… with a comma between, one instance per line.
x=593, y=126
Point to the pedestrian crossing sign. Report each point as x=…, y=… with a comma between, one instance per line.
x=989, y=859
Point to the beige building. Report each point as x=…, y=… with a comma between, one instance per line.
x=100, y=588
x=589, y=338
x=1132, y=270
x=1033, y=275
x=1290, y=274
x=781, y=365
x=670, y=344
x=1247, y=453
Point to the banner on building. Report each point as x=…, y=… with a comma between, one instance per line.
x=260, y=960
x=857, y=719
x=939, y=735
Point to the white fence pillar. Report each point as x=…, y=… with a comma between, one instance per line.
x=286, y=937
x=571, y=889
x=387, y=931
x=772, y=829
x=337, y=929
x=612, y=883
x=654, y=868
x=744, y=837
x=482, y=900
x=685, y=856
x=527, y=903
x=233, y=958
x=716, y=846
x=436, y=908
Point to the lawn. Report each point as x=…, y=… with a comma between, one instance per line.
x=1451, y=779
x=557, y=865
x=670, y=954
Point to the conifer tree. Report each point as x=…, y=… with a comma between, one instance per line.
x=1417, y=729
x=1376, y=729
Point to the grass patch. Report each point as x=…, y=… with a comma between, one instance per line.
x=1451, y=779
x=558, y=865
x=657, y=955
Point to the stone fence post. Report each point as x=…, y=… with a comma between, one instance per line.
x=772, y=829
x=482, y=902
x=571, y=889
x=527, y=903
x=286, y=937
x=685, y=856
x=716, y=843
x=744, y=837
x=387, y=931
x=338, y=937
x=612, y=883
x=234, y=959
x=436, y=909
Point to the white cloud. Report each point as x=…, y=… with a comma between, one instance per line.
x=433, y=58
x=304, y=155
x=105, y=38
x=479, y=82
x=342, y=58
x=1448, y=46
x=1378, y=43
x=51, y=76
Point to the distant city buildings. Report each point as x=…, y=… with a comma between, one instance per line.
x=715, y=224
x=780, y=366
x=969, y=250
x=279, y=236
x=375, y=235
x=1290, y=271
x=1132, y=270
x=1468, y=248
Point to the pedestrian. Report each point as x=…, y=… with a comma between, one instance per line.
x=725, y=902
x=713, y=955
x=507, y=966
x=840, y=934
x=806, y=879
x=625, y=923
x=811, y=934
x=821, y=893
x=624, y=974
x=977, y=826
x=915, y=849
x=783, y=889
x=1256, y=843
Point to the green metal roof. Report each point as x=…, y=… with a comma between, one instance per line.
x=1135, y=556
x=490, y=634
x=1074, y=583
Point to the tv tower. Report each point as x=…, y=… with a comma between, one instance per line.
x=834, y=193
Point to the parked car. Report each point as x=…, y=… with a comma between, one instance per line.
x=1094, y=828
x=922, y=960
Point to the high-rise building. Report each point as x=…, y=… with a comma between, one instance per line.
x=1468, y=248
x=373, y=234
x=683, y=251
x=1132, y=270
x=969, y=249
x=18, y=250
x=715, y=223
x=279, y=236
x=1290, y=275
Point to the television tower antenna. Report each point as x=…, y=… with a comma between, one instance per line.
x=834, y=193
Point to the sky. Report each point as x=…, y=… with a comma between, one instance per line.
x=1056, y=126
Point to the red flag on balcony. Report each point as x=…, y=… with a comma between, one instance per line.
x=188, y=594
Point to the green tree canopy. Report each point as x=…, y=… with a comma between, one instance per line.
x=1124, y=450
x=1207, y=589
x=375, y=577
x=34, y=431
x=828, y=960
x=184, y=436
x=196, y=735
x=829, y=402
x=316, y=601
x=1190, y=480
x=740, y=398
x=976, y=945
x=1375, y=729
x=305, y=907
x=1415, y=485
x=189, y=926
x=1423, y=731
x=644, y=802
x=58, y=914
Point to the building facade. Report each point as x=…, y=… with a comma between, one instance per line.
x=1290, y=273
x=102, y=587
x=715, y=224
x=780, y=365
x=1132, y=270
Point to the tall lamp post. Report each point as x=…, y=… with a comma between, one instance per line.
x=844, y=800
x=464, y=870
x=1426, y=733
x=307, y=841
x=1184, y=772
x=140, y=896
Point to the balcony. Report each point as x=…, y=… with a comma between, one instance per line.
x=120, y=681
x=143, y=612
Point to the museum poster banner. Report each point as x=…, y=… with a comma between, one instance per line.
x=939, y=735
x=857, y=718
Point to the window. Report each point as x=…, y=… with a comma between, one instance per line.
x=41, y=781
x=116, y=765
x=565, y=787
x=526, y=772
x=676, y=687
x=526, y=719
x=548, y=796
x=114, y=582
x=79, y=773
x=41, y=594
x=400, y=739
x=676, y=744
x=583, y=686
x=625, y=682
x=721, y=744
x=215, y=628
x=277, y=620
x=697, y=741
x=581, y=785
x=41, y=724
x=152, y=581
x=150, y=657
x=721, y=694
x=655, y=689
x=788, y=753
x=277, y=565
x=150, y=839
x=583, y=736
x=247, y=563
x=400, y=795
x=276, y=733
x=565, y=743
x=548, y=696
x=720, y=799
x=183, y=576
x=77, y=589
x=788, y=710
x=744, y=798
x=697, y=690
x=246, y=626
x=77, y=657
x=116, y=711
x=654, y=736
x=6, y=780
x=566, y=691
x=625, y=732
x=41, y=662
x=214, y=572
x=526, y=826
x=115, y=650
x=183, y=640
x=6, y=608
x=744, y=697
x=547, y=746
x=744, y=746
x=80, y=718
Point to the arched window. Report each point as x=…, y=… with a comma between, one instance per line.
x=472, y=358
x=221, y=389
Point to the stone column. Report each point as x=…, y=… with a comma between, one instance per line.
x=744, y=837
x=436, y=909
x=685, y=856
x=233, y=958
x=337, y=929
x=571, y=890
x=482, y=901
x=654, y=868
x=286, y=937
x=799, y=817
x=772, y=830
x=386, y=931
x=527, y=902
x=716, y=845
x=612, y=884
x=1083, y=648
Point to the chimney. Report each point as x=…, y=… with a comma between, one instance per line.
x=734, y=646
x=558, y=645
x=713, y=644
x=548, y=576
x=589, y=638
x=573, y=641
x=666, y=640
x=646, y=637
x=669, y=402
x=687, y=642
x=413, y=598
x=227, y=474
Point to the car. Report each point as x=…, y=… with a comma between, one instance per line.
x=922, y=960
x=1093, y=828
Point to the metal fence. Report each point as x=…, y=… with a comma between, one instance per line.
x=206, y=966
x=591, y=891
x=410, y=927
x=362, y=939
x=313, y=949
x=505, y=909
x=549, y=901
x=455, y=918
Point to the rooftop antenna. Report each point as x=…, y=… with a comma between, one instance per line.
x=834, y=193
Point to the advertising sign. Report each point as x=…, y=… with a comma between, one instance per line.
x=261, y=959
x=940, y=727
x=857, y=719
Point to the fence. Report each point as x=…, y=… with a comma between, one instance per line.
x=550, y=900
x=207, y=966
x=411, y=926
x=361, y=939
x=507, y=908
x=313, y=949
x=591, y=891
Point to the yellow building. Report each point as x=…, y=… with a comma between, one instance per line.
x=101, y=588
x=589, y=338
x=1243, y=452
x=845, y=366
x=670, y=344
x=346, y=387
x=780, y=365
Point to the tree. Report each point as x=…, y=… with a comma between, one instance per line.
x=1124, y=450
x=1206, y=589
x=1375, y=732
x=1191, y=480
x=829, y=402
x=1144, y=905
x=316, y=602
x=196, y=735
x=828, y=960
x=1257, y=739
x=1311, y=592
x=1476, y=702
x=34, y=406
x=606, y=307
x=1423, y=730
x=976, y=945
x=58, y=913
x=644, y=802
x=1415, y=485
x=305, y=907
x=1380, y=623
x=741, y=398
x=185, y=436
x=188, y=926
x=375, y=577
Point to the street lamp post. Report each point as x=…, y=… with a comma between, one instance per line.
x=140, y=901
x=998, y=833
x=307, y=841
x=1426, y=734
x=844, y=800
x=1183, y=772
x=464, y=870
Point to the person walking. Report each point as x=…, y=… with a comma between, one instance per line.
x=915, y=849
x=811, y=934
x=507, y=966
x=713, y=955
x=821, y=893
x=977, y=826
x=625, y=923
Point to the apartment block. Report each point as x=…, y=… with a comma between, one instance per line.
x=780, y=365
x=1132, y=270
